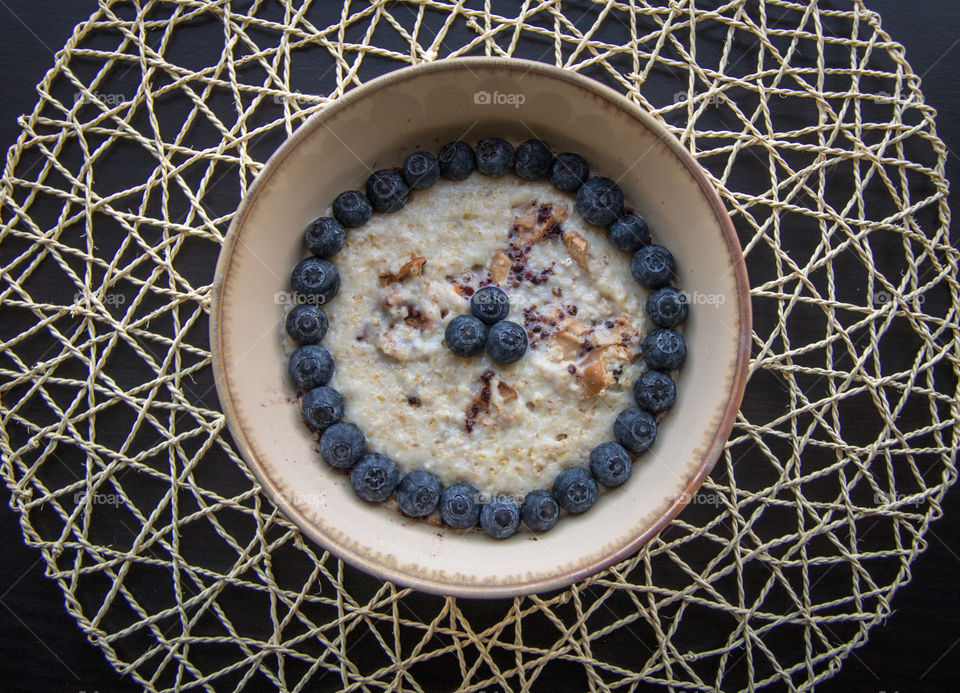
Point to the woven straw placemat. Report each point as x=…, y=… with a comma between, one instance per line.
x=115, y=199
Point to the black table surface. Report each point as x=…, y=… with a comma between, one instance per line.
x=917, y=648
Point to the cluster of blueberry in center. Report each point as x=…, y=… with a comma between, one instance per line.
x=374, y=476
x=486, y=328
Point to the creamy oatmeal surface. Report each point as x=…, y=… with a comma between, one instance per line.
x=506, y=429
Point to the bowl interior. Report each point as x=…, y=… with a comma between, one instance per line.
x=375, y=127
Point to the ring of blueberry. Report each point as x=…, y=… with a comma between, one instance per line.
x=375, y=476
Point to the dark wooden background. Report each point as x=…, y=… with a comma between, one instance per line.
x=917, y=649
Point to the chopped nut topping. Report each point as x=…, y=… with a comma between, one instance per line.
x=499, y=267
x=607, y=354
x=528, y=219
x=577, y=247
x=575, y=327
x=416, y=319
x=569, y=345
x=506, y=391
x=413, y=268
x=594, y=378
x=539, y=226
x=483, y=401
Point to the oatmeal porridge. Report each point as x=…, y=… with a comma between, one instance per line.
x=504, y=428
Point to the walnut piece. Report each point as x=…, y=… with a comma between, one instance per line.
x=616, y=351
x=499, y=267
x=558, y=215
x=506, y=391
x=594, y=378
x=569, y=345
x=528, y=219
x=577, y=247
x=413, y=268
x=575, y=327
x=417, y=320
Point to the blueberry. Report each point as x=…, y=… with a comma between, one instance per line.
x=575, y=490
x=664, y=350
x=494, y=156
x=629, y=233
x=539, y=511
x=309, y=366
x=506, y=342
x=599, y=201
x=490, y=304
x=569, y=171
x=500, y=517
x=465, y=335
x=667, y=307
x=653, y=266
x=306, y=324
x=654, y=391
x=374, y=477
x=635, y=429
x=418, y=493
x=387, y=190
x=459, y=507
x=456, y=160
x=342, y=444
x=321, y=408
x=324, y=237
x=352, y=208
x=533, y=159
x=610, y=464
x=315, y=279
x=421, y=170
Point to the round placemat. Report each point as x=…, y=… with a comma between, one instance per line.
x=115, y=199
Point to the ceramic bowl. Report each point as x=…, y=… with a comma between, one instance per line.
x=375, y=126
